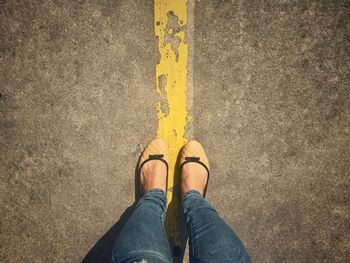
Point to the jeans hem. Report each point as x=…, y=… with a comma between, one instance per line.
x=191, y=192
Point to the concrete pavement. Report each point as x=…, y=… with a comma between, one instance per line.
x=270, y=103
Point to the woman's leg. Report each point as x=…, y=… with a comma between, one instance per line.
x=143, y=238
x=210, y=238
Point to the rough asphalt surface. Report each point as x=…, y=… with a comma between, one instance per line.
x=271, y=105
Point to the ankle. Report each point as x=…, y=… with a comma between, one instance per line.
x=153, y=176
x=194, y=178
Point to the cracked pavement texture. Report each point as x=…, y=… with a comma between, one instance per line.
x=271, y=105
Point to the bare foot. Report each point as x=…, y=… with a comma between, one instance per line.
x=194, y=177
x=153, y=175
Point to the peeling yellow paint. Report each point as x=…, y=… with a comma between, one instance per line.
x=171, y=124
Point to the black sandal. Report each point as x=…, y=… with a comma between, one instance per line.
x=157, y=149
x=194, y=152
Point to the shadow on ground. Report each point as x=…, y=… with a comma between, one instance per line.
x=102, y=250
x=175, y=220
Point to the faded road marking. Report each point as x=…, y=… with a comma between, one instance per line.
x=170, y=19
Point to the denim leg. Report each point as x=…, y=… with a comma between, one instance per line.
x=143, y=238
x=210, y=238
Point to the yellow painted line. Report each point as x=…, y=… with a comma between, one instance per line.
x=170, y=17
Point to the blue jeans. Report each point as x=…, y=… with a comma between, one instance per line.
x=143, y=237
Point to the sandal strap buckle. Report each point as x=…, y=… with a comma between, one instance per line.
x=192, y=159
x=156, y=156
